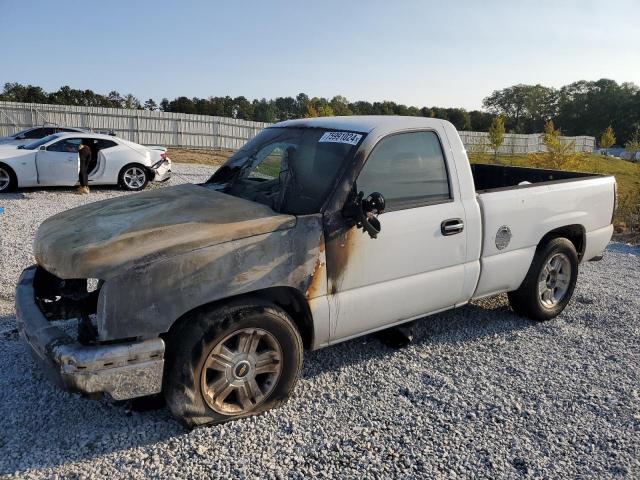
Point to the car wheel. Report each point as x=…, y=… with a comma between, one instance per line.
x=550, y=281
x=134, y=177
x=230, y=362
x=8, y=180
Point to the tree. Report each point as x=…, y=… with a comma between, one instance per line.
x=560, y=154
x=242, y=108
x=318, y=107
x=15, y=92
x=480, y=121
x=632, y=146
x=459, y=117
x=302, y=101
x=527, y=106
x=150, y=105
x=115, y=99
x=264, y=111
x=340, y=106
x=496, y=134
x=131, y=102
x=607, y=139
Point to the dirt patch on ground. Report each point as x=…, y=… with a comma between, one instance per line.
x=201, y=156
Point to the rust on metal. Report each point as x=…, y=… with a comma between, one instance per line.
x=318, y=281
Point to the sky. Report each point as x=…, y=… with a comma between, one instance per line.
x=421, y=53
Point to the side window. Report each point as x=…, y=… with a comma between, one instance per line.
x=68, y=145
x=35, y=134
x=102, y=144
x=408, y=169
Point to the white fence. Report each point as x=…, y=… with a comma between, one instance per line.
x=478, y=142
x=203, y=131
x=140, y=126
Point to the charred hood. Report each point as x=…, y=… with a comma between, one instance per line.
x=101, y=239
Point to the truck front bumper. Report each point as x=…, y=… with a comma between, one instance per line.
x=123, y=370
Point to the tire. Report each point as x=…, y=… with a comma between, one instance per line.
x=133, y=177
x=193, y=367
x=550, y=281
x=8, y=179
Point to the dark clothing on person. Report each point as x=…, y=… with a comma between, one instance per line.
x=85, y=159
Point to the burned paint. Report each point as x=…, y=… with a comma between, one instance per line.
x=338, y=252
x=150, y=297
x=102, y=239
x=318, y=281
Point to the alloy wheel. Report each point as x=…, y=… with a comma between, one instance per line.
x=241, y=371
x=134, y=177
x=554, y=280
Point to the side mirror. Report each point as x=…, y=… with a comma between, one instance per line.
x=20, y=137
x=42, y=147
x=374, y=203
x=364, y=211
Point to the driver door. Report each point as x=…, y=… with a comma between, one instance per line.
x=59, y=163
x=412, y=268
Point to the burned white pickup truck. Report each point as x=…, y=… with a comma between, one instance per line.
x=315, y=232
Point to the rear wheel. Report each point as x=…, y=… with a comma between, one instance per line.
x=550, y=281
x=8, y=180
x=134, y=177
x=230, y=362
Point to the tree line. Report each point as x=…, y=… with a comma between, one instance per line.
x=580, y=108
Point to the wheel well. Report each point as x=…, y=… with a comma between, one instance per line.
x=289, y=299
x=574, y=233
x=133, y=164
x=9, y=169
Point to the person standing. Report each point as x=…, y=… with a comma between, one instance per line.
x=85, y=158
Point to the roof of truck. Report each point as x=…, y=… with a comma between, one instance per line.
x=364, y=123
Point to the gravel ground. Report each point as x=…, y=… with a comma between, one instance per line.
x=480, y=393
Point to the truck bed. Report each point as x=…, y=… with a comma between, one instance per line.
x=580, y=203
x=500, y=177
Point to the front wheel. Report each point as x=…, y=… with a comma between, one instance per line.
x=230, y=362
x=550, y=281
x=133, y=177
x=8, y=181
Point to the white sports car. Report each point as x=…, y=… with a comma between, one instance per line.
x=54, y=160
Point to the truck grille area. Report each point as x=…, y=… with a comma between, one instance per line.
x=66, y=299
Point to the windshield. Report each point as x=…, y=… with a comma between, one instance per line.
x=36, y=143
x=291, y=170
x=22, y=132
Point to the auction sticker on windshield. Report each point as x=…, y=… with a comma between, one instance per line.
x=341, y=137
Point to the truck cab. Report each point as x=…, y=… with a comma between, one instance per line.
x=315, y=232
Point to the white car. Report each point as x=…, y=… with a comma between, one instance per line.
x=35, y=133
x=54, y=161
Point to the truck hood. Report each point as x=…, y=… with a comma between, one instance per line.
x=102, y=239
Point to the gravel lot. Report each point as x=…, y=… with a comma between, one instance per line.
x=481, y=393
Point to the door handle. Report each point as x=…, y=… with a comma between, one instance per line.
x=451, y=226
